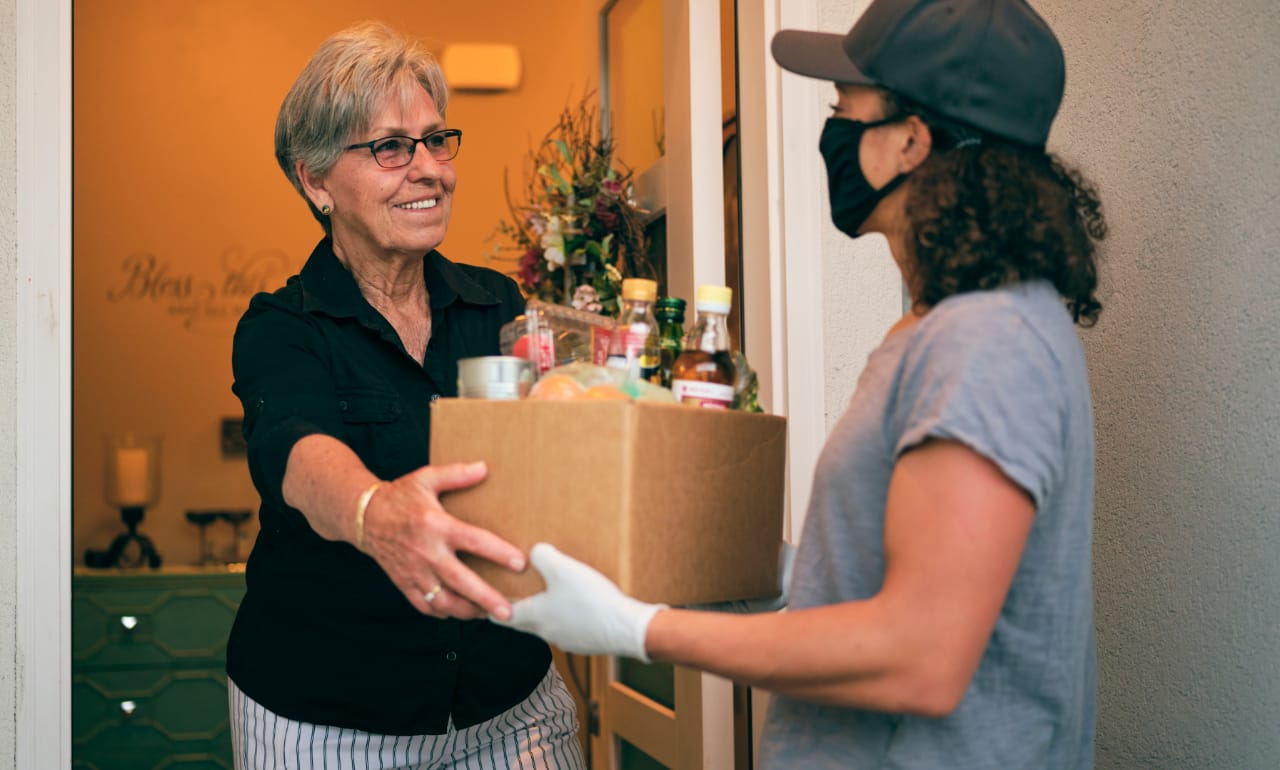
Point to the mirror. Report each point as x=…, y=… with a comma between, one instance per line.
x=631, y=80
x=632, y=108
x=632, y=100
x=732, y=165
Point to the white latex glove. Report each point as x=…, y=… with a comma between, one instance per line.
x=786, y=560
x=581, y=611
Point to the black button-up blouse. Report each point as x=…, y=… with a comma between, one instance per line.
x=322, y=635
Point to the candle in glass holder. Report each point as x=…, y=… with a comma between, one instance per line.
x=132, y=469
x=132, y=476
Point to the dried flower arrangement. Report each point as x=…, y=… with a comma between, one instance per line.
x=576, y=233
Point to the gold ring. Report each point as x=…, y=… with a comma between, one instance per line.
x=431, y=595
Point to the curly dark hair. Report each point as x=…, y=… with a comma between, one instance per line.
x=987, y=212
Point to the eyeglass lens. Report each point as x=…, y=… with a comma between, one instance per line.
x=396, y=151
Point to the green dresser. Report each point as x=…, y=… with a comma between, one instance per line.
x=148, y=678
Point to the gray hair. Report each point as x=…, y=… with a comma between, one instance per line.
x=340, y=91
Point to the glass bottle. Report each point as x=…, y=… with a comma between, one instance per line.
x=670, y=314
x=634, y=345
x=703, y=375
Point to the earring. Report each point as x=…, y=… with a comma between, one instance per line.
x=326, y=209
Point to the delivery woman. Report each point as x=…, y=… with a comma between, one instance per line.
x=941, y=610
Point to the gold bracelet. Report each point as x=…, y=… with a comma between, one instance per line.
x=362, y=503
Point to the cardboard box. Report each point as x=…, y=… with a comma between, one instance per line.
x=675, y=504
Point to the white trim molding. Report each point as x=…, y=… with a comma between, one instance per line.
x=694, y=168
x=802, y=228
x=763, y=279
x=782, y=226
x=44, y=383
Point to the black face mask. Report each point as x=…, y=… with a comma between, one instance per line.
x=852, y=196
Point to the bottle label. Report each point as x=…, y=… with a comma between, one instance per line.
x=708, y=395
x=641, y=358
x=600, y=345
x=637, y=367
x=546, y=352
x=634, y=339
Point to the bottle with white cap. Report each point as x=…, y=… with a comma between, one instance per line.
x=703, y=375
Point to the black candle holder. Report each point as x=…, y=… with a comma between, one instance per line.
x=236, y=518
x=130, y=548
x=203, y=519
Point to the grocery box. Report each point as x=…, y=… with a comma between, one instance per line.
x=675, y=504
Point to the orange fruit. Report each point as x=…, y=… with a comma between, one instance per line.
x=555, y=387
x=604, y=393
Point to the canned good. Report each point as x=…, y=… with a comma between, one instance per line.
x=504, y=377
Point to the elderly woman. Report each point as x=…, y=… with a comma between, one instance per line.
x=941, y=609
x=362, y=639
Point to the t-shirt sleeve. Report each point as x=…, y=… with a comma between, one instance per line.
x=284, y=382
x=988, y=380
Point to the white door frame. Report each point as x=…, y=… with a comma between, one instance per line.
x=782, y=225
x=43, y=356
x=781, y=221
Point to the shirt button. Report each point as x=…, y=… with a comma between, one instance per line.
x=435, y=397
x=451, y=656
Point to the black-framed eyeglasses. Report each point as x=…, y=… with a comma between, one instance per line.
x=397, y=151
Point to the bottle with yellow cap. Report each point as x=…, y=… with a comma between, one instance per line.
x=634, y=345
x=703, y=374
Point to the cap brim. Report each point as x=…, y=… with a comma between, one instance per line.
x=816, y=55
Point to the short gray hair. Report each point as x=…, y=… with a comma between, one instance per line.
x=340, y=91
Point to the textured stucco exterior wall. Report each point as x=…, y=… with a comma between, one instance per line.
x=8, y=372
x=1171, y=109
x=862, y=297
x=862, y=294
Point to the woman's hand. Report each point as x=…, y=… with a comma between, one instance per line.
x=416, y=542
x=582, y=611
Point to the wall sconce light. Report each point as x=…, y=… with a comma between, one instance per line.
x=132, y=483
x=481, y=66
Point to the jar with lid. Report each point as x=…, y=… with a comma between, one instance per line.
x=703, y=375
x=670, y=314
x=634, y=345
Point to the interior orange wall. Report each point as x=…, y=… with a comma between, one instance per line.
x=174, y=108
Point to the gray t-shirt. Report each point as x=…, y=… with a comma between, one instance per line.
x=1002, y=372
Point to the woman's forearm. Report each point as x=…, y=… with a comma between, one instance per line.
x=323, y=479
x=854, y=655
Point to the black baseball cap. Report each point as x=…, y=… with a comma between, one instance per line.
x=992, y=64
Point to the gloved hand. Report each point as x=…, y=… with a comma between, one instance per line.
x=581, y=611
x=786, y=560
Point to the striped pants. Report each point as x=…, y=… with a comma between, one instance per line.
x=539, y=733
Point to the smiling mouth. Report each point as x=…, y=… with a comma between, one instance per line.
x=430, y=203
